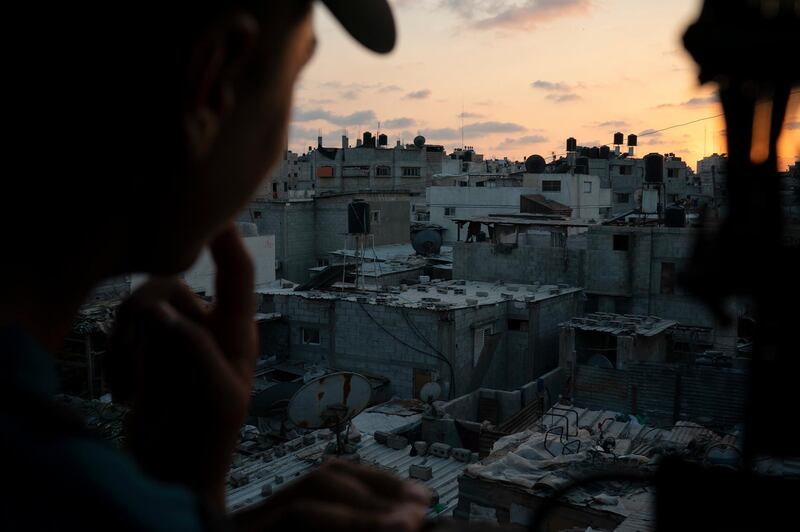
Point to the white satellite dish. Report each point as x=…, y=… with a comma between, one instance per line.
x=329, y=401
x=430, y=392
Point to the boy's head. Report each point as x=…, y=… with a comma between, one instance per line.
x=167, y=119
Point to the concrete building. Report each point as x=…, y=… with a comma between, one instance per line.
x=582, y=193
x=445, y=204
x=489, y=334
x=510, y=486
x=306, y=231
x=637, y=270
x=713, y=174
x=290, y=178
x=523, y=249
x=373, y=166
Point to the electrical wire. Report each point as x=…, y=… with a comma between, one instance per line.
x=409, y=346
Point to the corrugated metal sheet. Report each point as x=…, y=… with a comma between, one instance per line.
x=296, y=464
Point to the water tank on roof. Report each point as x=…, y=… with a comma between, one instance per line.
x=594, y=153
x=633, y=140
x=605, y=152
x=419, y=141
x=358, y=217
x=383, y=140
x=427, y=242
x=535, y=164
x=654, y=168
x=675, y=216
x=572, y=144
x=369, y=141
x=619, y=138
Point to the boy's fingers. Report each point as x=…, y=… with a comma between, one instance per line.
x=232, y=317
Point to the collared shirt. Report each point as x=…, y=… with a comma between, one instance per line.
x=56, y=475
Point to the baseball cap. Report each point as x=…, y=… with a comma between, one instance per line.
x=370, y=22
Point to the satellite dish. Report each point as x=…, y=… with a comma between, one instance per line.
x=430, y=392
x=330, y=401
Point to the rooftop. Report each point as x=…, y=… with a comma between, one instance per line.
x=540, y=460
x=616, y=324
x=522, y=219
x=249, y=476
x=441, y=295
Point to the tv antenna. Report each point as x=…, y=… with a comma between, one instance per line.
x=330, y=402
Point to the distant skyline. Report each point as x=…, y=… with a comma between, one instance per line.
x=528, y=73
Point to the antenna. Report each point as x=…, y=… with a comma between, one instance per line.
x=462, y=121
x=330, y=401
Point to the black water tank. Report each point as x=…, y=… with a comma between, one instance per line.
x=605, y=152
x=654, y=168
x=535, y=164
x=619, y=138
x=572, y=144
x=369, y=141
x=675, y=216
x=358, y=218
x=383, y=140
x=633, y=140
x=594, y=153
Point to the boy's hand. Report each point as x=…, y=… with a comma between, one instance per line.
x=187, y=369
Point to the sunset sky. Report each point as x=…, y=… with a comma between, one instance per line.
x=529, y=74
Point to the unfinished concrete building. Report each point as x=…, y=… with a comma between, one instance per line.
x=626, y=363
x=463, y=334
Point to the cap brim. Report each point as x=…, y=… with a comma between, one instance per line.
x=370, y=22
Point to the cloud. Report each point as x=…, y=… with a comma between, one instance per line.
x=351, y=94
x=692, y=102
x=474, y=130
x=550, y=86
x=563, y=98
x=793, y=125
x=613, y=123
x=521, y=141
x=529, y=14
x=399, y=122
x=419, y=95
x=353, y=119
x=467, y=114
x=390, y=88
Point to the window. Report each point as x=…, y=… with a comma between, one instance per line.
x=621, y=242
x=449, y=211
x=383, y=171
x=518, y=325
x=310, y=335
x=551, y=186
x=285, y=186
x=667, y=277
x=325, y=171
x=625, y=170
x=411, y=171
x=376, y=217
x=587, y=187
x=256, y=214
x=481, y=336
x=623, y=197
x=274, y=187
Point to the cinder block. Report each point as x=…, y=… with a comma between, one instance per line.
x=441, y=450
x=461, y=454
x=420, y=472
x=397, y=442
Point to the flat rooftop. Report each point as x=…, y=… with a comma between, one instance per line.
x=522, y=220
x=627, y=324
x=441, y=295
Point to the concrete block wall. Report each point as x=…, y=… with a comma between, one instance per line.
x=662, y=394
x=477, y=261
